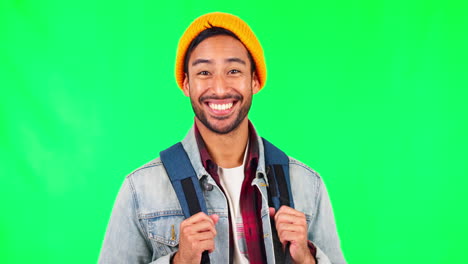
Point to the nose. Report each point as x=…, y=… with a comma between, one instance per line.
x=220, y=85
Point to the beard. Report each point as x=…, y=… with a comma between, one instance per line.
x=201, y=115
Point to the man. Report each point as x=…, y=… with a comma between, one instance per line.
x=220, y=66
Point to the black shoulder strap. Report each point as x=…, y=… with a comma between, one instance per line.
x=277, y=165
x=185, y=183
x=184, y=180
x=279, y=192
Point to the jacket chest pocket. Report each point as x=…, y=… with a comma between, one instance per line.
x=164, y=231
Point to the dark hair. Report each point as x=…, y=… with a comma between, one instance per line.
x=211, y=32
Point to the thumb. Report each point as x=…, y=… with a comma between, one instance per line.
x=215, y=218
x=272, y=211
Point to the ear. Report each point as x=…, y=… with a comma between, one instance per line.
x=185, y=86
x=255, y=83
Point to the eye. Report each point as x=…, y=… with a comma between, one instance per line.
x=234, y=71
x=203, y=73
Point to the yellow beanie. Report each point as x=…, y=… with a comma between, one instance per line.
x=229, y=22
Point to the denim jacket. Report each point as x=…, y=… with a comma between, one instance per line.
x=145, y=220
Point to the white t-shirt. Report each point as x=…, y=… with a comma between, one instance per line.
x=231, y=180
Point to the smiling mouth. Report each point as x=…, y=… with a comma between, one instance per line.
x=220, y=106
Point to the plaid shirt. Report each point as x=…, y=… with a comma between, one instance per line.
x=250, y=198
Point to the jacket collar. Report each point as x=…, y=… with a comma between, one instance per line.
x=191, y=147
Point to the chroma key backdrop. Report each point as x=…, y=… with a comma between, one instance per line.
x=371, y=94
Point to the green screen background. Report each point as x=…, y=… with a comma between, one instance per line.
x=371, y=94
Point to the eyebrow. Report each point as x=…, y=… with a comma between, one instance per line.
x=235, y=60
x=199, y=61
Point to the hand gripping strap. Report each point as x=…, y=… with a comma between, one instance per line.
x=185, y=183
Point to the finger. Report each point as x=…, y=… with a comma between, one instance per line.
x=198, y=247
x=202, y=236
x=197, y=223
x=284, y=227
x=293, y=237
x=289, y=210
x=293, y=219
x=205, y=245
x=197, y=218
x=214, y=218
x=272, y=211
x=284, y=210
x=198, y=228
x=204, y=226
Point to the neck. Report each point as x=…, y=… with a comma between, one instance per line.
x=226, y=150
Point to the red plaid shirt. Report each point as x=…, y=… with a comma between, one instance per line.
x=250, y=198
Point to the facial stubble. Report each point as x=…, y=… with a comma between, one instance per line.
x=201, y=115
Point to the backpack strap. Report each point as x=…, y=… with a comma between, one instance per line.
x=185, y=183
x=279, y=192
x=277, y=163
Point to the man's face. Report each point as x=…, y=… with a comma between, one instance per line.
x=220, y=83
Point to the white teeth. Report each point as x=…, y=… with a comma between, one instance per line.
x=220, y=106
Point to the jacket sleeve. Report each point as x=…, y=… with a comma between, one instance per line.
x=125, y=240
x=323, y=230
